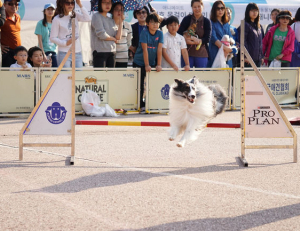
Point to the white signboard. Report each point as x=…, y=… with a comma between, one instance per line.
x=262, y=119
x=16, y=91
x=118, y=88
x=159, y=84
x=54, y=114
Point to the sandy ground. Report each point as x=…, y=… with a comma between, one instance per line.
x=134, y=178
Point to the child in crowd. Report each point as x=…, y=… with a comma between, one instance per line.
x=36, y=58
x=174, y=46
x=21, y=57
x=61, y=30
x=149, y=51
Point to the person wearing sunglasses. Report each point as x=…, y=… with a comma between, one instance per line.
x=279, y=41
x=10, y=32
x=61, y=30
x=138, y=27
x=219, y=27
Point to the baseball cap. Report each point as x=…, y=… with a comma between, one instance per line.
x=10, y=0
x=48, y=6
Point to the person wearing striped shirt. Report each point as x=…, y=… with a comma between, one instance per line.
x=125, y=42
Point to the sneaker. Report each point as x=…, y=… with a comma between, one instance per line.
x=142, y=110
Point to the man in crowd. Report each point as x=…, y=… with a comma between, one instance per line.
x=10, y=32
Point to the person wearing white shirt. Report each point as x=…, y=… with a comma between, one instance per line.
x=20, y=55
x=61, y=32
x=174, y=46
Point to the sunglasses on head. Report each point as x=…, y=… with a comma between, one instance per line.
x=70, y=3
x=13, y=3
x=220, y=8
x=285, y=17
x=141, y=12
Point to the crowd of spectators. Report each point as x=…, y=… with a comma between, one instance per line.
x=194, y=42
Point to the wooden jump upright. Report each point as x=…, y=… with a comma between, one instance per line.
x=244, y=53
x=36, y=108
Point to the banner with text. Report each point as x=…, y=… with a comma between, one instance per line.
x=282, y=83
x=262, y=119
x=116, y=88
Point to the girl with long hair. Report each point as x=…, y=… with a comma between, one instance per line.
x=220, y=26
x=61, y=32
x=254, y=35
x=43, y=30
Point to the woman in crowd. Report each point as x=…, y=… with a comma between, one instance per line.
x=254, y=35
x=36, y=58
x=124, y=43
x=61, y=31
x=197, y=57
x=2, y=21
x=296, y=27
x=138, y=27
x=274, y=14
x=279, y=41
x=220, y=27
x=43, y=30
x=105, y=33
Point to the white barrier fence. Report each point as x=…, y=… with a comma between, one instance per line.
x=116, y=87
x=120, y=87
x=283, y=83
x=159, y=83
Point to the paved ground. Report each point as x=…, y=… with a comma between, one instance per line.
x=134, y=178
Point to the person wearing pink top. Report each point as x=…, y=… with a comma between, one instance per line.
x=279, y=41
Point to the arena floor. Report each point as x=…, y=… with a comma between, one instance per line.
x=134, y=178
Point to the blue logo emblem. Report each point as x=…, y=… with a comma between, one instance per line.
x=165, y=92
x=56, y=114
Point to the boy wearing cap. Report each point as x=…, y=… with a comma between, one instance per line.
x=279, y=41
x=10, y=32
x=43, y=30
